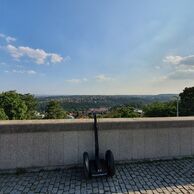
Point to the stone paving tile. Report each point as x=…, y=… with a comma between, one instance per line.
x=161, y=177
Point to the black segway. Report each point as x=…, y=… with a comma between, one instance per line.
x=98, y=167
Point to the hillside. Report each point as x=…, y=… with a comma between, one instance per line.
x=85, y=102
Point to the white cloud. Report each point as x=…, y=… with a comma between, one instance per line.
x=103, y=77
x=29, y=72
x=172, y=59
x=10, y=39
x=179, y=60
x=182, y=67
x=77, y=81
x=38, y=55
x=7, y=38
x=188, y=60
x=55, y=58
x=14, y=51
x=100, y=78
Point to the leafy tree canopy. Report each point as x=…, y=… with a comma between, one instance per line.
x=187, y=102
x=14, y=107
x=125, y=111
x=3, y=116
x=17, y=106
x=55, y=111
x=31, y=104
x=160, y=109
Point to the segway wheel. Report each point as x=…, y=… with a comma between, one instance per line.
x=86, y=162
x=110, y=163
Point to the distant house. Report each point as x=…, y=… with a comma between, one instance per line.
x=138, y=111
x=39, y=115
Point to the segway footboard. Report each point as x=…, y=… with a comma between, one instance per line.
x=97, y=172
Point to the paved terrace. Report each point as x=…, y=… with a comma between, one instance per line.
x=172, y=176
x=51, y=144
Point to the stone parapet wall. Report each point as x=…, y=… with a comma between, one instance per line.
x=51, y=143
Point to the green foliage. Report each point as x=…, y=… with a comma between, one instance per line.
x=31, y=104
x=85, y=102
x=14, y=107
x=160, y=109
x=17, y=106
x=125, y=111
x=187, y=102
x=55, y=111
x=3, y=116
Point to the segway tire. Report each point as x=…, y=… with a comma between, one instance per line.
x=110, y=163
x=86, y=162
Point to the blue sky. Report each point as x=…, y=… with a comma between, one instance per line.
x=96, y=46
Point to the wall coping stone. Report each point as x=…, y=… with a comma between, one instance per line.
x=57, y=125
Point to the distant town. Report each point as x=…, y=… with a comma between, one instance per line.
x=83, y=106
x=17, y=106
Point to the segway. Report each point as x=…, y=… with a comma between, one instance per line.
x=98, y=167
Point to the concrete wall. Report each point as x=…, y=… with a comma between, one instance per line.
x=48, y=143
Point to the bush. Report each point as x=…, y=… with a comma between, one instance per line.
x=160, y=109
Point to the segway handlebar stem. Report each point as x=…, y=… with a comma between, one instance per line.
x=97, y=160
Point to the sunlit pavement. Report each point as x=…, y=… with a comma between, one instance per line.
x=174, y=176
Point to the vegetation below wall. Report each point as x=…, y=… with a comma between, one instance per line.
x=17, y=106
x=82, y=103
x=14, y=105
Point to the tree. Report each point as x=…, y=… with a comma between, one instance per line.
x=125, y=111
x=3, y=116
x=31, y=104
x=13, y=106
x=54, y=110
x=160, y=109
x=187, y=102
